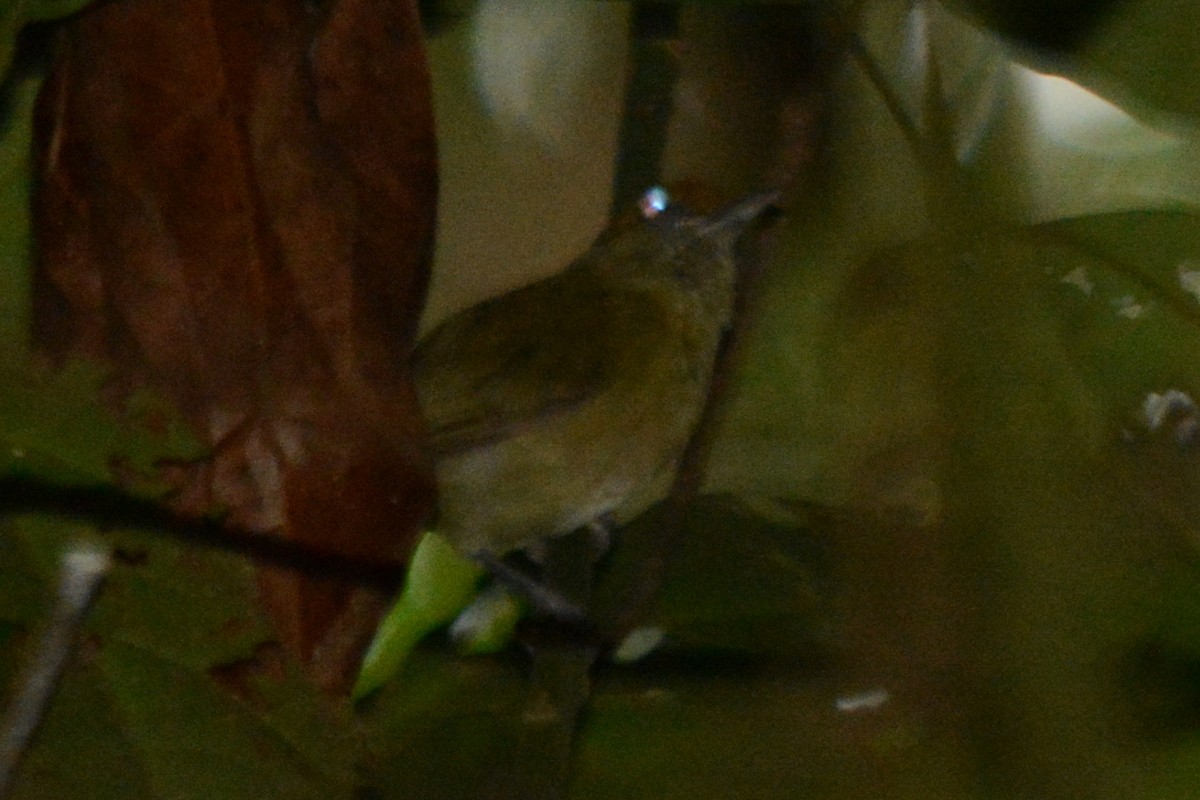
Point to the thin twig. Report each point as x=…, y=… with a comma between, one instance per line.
x=83, y=569
x=110, y=507
x=649, y=101
x=629, y=604
x=560, y=684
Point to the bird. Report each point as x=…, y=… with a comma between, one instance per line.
x=571, y=400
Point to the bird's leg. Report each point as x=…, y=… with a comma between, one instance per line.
x=552, y=595
x=544, y=599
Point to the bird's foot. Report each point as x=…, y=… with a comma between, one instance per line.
x=543, y=599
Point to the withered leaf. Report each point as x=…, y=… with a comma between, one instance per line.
x=235, y=209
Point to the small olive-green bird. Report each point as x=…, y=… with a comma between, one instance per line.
x=572, y=399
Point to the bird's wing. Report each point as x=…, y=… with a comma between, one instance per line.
x=494, y=370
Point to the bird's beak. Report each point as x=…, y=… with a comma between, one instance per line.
x=729, y=222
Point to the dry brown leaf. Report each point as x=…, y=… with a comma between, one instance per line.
x=236, y=210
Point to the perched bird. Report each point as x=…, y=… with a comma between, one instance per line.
x=572, y=399
x=562, y=404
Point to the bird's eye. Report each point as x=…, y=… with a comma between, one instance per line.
x=654, y=202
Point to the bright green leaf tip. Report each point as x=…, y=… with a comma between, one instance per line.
x=439, y=584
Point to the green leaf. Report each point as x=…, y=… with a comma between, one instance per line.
x=1138, y=53
x=55, y=430
x=1142, y=53
x=439, y=583
x=448, y=728
x=178, y=690
x=745, y=582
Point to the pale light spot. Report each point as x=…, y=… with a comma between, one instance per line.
x=1069, y=114
x=1157, y=407
x=291, y=443
x=638, y=644
x=654, y=202
x=537, y=61
x=1078, y=277
x=1189, y=277
x=1174, y=411
x=870, y=700
x=1128, y=307
x=1087, y=156
x=83, y=566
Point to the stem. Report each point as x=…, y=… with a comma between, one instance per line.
x=649, y=101
x=83, y=570
x=560, y=684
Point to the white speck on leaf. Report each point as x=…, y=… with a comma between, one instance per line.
x=1156, y=407
x=1078, y=277
x=1189, y=277
x=1128, y=307
x=870, y=700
